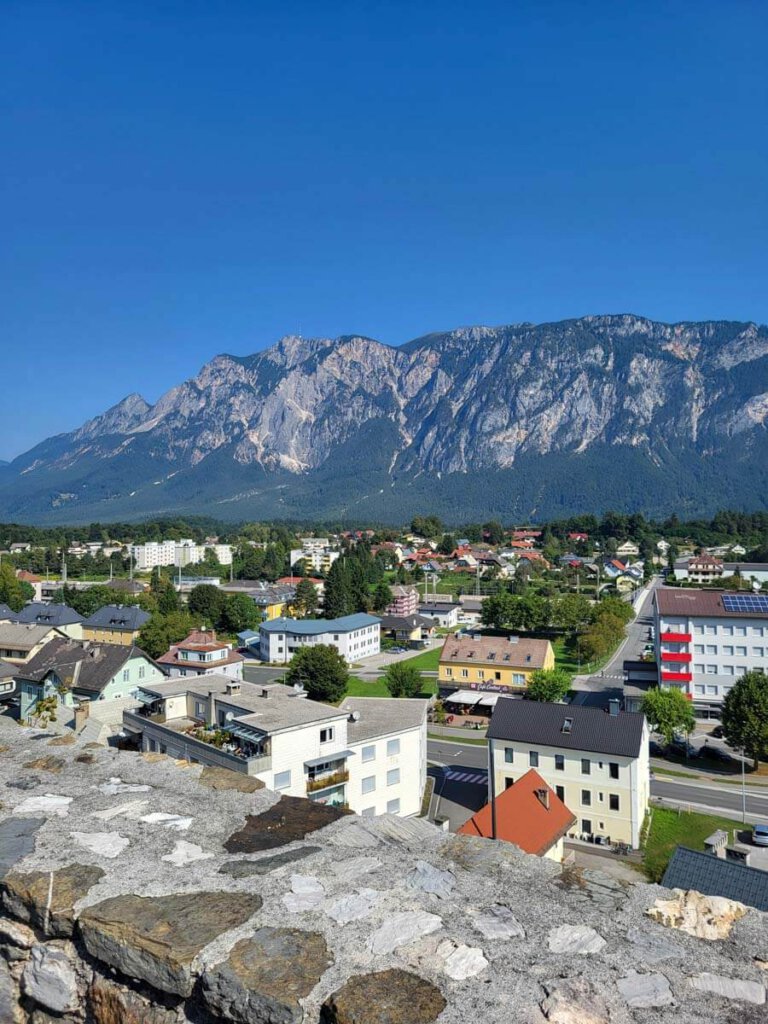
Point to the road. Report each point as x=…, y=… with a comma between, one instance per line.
x=597, y=689
x=460, y=773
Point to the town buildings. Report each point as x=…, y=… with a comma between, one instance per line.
x=705, y=570
x=354, y=637
x=529, y=814
x=115, y=624
x=201, y=654
x=65, y=619
x=272, y=599
x=411, y=630
x=706, y=639
x=596, y=761
x=176, y=552
x=405, y=601
x=72, y=671
x=20, y=642
x=497, y=663
x=445, y=615
x=315, y=554
x=368, y=754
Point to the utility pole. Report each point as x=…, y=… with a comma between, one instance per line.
x=743, y=786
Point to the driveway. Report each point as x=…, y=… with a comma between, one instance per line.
x=376, y=664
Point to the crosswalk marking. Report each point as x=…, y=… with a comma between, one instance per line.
x=474, y=777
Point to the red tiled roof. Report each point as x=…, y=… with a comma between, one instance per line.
x=292, y=581
x=522, y=818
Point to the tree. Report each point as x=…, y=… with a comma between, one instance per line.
x=668, y=711
x=305, y=599
x=240, y=613
x=498, y=610
x=493, y=532
x=11, y=590
x=447, y=544
x=548, y=684
x=322, y=672
x=168, y=599
x=382, y=596
x=745, y=715
x=402, y=679
x=157, y=635
x=207, y=603
x=338, y=592
x=572, y=612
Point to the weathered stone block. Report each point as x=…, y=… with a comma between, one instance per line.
x=157, y=938
x=46, y=899
x=264, y=977
x=388, y=997
x=50, y=980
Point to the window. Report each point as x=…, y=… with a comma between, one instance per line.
x=518, y=678
x=698, y=668
x=698, y=689
x=586, y=826
x=369, y=753
x=393, y=776
x=393, y=806
x=464, y=673
x=728, y=670
x=711, y=648
x=696, y=629
x=142, y=670
x=613, y=801
x=560, y=790
x=586, y=766
x=368, y=812
x=282, y=780
x=712, y=690
x=711, y=670
x=710, y=630
x=699, y=649
x=326, y=735
x=741, y=652
x=126, y=674
x=533, y=758
x=727, y=650
x=567, y=725
x=481, y=673
x=727, y=630
x=509, y=755
x=497, y=675
x=369, y=784
x=393, y=747
x=613, y=770
x=199, y=709
x=586, y=798
x=508, y=782
x=757, y=652
x=559, y=762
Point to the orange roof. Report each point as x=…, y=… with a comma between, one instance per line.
x=522, y=817
x=292, y=580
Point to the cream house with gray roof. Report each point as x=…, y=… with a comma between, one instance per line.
x=368, y=754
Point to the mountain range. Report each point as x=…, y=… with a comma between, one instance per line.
x=518, y=422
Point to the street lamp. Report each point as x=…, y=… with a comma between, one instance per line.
x=743, y=786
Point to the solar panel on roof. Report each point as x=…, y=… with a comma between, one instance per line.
x=745, y=603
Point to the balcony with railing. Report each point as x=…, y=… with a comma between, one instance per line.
x=675, y=656
x=676, y=638
x=327, y=780
x=675, y=677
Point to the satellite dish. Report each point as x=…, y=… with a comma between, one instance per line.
x=755, y=585
x=229, y=716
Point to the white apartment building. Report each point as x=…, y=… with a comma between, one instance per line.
x=315, y=553
x=354, y=637
x=368, y=754
x=707, y=639
x=596, y=761
x=175, y=552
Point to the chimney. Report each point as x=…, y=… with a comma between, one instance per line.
x=543, y=797
x=265, y=692
x=613, y=706
x=233, y=687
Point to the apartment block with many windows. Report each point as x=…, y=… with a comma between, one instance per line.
x=596, y=761
x=707, y=639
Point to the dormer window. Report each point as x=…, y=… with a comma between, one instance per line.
x=567, y=725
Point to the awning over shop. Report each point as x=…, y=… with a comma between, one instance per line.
x=464, y=697
x=489, y=701
x=146, y=698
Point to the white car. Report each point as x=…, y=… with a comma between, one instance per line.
x=760, y=835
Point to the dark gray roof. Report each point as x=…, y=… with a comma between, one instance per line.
x=48, y=614
x=693, y=869
x=6, y=612
x=80, y=665
x=593, y=729
x=117, y=616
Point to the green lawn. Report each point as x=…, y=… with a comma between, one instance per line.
x=427, y=661
x=670, y=828
x=376, y=688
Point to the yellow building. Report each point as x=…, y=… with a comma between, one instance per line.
x=492, y=662
x=115, y=624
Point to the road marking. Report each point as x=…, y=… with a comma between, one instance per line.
x=476, y=778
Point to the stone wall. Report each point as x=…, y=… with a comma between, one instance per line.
x=140, y=890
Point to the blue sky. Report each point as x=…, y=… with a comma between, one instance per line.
x=184, y=179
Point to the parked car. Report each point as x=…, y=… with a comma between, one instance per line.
x=760, y=835
x=655, y=749
x=716, y=754
x=681, y=749
x=717, y=732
